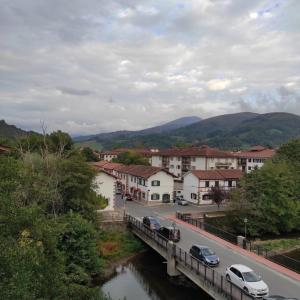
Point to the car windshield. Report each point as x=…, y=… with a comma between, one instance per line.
x=155, y=222
x=251, y=277
x=207, y=252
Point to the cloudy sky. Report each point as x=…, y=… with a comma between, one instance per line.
x=86, y=66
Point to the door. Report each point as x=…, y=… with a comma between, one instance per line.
x=166, y=198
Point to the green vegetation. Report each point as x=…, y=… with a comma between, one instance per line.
x=90, y=144
x=280, y=244
x=49, y=240
x=89, y=154
x=102, y=202
x=131, y=158
x=231, y=131
x=117, y=244
x=269, y=197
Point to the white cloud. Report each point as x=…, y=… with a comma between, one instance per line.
x=218, y=84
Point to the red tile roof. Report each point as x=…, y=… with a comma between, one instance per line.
x=263, y=153
x=135, y=170
x=195, y=151
x=218, y=174
x=108, y=173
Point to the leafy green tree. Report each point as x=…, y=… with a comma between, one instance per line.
x=131, y=158
x=217, y=195
x=89, y=154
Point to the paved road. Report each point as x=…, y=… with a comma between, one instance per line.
x=277, y=282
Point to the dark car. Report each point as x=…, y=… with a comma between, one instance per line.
x=276, y=297
x=170, y=233
x=205, y=254
x=128, y=197
x=151, y=223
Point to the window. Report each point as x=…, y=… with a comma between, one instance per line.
x=249, y=160
x=155, y=183
x=249, y=168
x=131, y=178
x=193, y=196
x=155, y=197
x=143, y=195
x=134, y=179
x=216, y=183
x=193, y=158
x=171, y=166
x=178, y=167
x=230, y=183
x=207, y=184
x=178, y=158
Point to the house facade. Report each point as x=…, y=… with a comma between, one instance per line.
x=144, y=183
x=181, y=161
x=254, y=158
x=197, y=185
x=106, y=185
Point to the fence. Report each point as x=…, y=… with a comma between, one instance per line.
x=190, y=264
x=274, y=256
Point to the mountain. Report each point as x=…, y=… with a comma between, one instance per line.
x=181, y=122
x=230, y=131
x=10, y=131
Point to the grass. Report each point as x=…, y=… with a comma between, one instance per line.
x=280, y=244
x=101, y=202
x=117, y=244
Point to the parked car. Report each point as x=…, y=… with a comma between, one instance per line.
x=205, y=254
x=151, y=223
x=128, y=197
x=171, y=233
x=276, y=297
x=248, y=280
x=182, y=202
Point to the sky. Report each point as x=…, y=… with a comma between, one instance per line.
x=88, y=66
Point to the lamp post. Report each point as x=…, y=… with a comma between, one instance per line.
x=245, y=221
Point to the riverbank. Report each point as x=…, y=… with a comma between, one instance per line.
x=117, y=247
x=280, y=245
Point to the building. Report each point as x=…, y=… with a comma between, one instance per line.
x=145, y=183
x=4, y=149
x=197, y=184
x=106, y=185
x=254, y=158
x=109, y=155
x=181, y=161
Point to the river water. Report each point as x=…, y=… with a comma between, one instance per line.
x=145, y=278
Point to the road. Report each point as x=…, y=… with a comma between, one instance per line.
x=279, y=284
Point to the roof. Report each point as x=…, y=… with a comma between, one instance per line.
x=256, y=152
x=205, y=151
x=241, y=268
x=142, y=171
x=109, y=174
x=4, y=149
x=135, y=170
x=217, y=174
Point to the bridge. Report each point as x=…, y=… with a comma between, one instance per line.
x=181, y=262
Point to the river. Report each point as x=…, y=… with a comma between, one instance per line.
x=145, y=278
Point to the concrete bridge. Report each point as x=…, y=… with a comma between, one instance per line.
x=181, y=262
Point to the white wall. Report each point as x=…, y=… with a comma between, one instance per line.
x=190, y=185
x=106, y=187
x=156, y=161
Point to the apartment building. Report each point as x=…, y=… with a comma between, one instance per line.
x=197, y=184
x=254, y=158
x=146, y=184
x=181, y=161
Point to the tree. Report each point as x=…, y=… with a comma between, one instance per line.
x=131, y=158
x=89, y=154
x=217, y=195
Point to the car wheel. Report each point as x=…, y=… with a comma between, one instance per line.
x=228, y=277
x=246, y=290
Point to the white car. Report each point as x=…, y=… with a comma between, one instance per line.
x=248, y=280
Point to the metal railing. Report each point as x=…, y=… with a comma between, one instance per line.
x=273, y=255
x=206, y=274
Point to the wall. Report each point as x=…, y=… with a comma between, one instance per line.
x=106, y=186
x=190, y=185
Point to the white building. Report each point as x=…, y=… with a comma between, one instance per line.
x=181, y=161
x=254, y=158
x=106, y=186
x=145, y=183
x=197, y=184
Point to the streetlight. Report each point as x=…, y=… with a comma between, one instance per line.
x=245, y=221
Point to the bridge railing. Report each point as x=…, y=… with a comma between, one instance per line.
x=207, y=274
x=160, y=240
